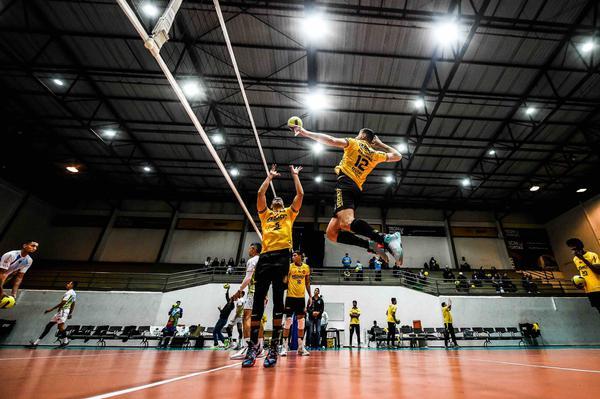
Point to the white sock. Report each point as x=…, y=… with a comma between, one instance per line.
x=260, y=342
x=36, y=342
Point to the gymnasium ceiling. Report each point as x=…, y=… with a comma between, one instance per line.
x=375, y=60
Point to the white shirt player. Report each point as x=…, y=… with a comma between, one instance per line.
x=250, y=268
x=70, y=297
x=13, y=262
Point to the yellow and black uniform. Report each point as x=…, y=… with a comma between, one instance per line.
x=294, y=302
x=358, y=162
x=354, y=324
x=449, y=332
x=391, y=320
x=592, y=279
x=273, y=261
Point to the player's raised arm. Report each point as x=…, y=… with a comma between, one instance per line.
x=297, y=203
x=321, y=137
x=393, y=155
x=261, y=200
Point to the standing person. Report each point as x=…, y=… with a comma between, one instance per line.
x=324, y=323
x=355, y=323
x=16, y=263
x=274, y=261
x=298, y=282
x=392, y=321
x=237, y=320
x=449, y=328
x=588, y=264
x=361, y=155
x=224, y=312
x=66, y=308
x=377, y=269
x=359, y=271
x=176, y=313
x=346, y=262
x=253, y=253
x=318, y=306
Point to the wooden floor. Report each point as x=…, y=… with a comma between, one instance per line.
x=417, y=374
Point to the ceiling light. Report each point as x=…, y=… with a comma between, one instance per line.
x=110, y=133
x=317, y=101
x=314, y=26
x=150, y=9
x=534, y=188
x=72, y=169
x=466, y=182
x=389, y=179
x=58, y=82
x=191, y=88
x=147, y=169
x=217, y=138
x=318, y=179
x=582, y=190
x=530, y=111
x=492, y=152
x=234, y=172
x=317, y=148
x=447, y=33
x=588, y=46
x=419, y=103
x=402, y=147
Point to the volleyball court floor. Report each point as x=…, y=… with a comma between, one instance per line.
x=431, y=373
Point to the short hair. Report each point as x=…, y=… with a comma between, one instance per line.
x=257, y=246
x=393, y=299
x=298, y=252
x=443, y=304
x=354, y=301
x=575, y=242
x=369, y=133
x=28, y=242
x=75, y=283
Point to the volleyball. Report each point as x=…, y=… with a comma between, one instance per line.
x=226, y=286
x=426, y=274
x=294, y=121
x=578, y=281
x=7, y=302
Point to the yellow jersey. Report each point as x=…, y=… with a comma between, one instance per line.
x=354, y=313
x=446, y=314
x=277, y=228
x=391, y=313
x=592, y=279
x=359, y=160
x=297, y=280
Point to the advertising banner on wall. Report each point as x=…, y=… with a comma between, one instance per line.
x=530, y=249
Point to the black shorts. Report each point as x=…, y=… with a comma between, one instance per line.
x=347, y=194
x=295, y=305
x=594, y=298
x=273, y=266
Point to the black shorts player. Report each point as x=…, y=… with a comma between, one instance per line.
x=295, y=306
x=347, y=194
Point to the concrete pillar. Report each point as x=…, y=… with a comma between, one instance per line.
x=451, y=245
x=240, y=250
x=103, y=238
x=168, y=237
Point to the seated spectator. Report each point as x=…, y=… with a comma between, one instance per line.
x=223, y=263
x=507, y=284
x=447, y=274
x=463, y=284
x=372, y=263
x=497, y=283
x=378, y=269
x=433, y=265
x=384, y=263
x=423, y=276
x=229, y=270
x=464, y=266
x=215, y=262
x=208, y=261
x=231, y=262
x=426, y=266
x=476, y=280
x=243, y=263
x=359, y=271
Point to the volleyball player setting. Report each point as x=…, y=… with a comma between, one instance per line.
x=298, y=198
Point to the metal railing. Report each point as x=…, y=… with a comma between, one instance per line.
x=164, y=282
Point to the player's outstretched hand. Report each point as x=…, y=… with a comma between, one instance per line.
x=273, y=172
x=47, y=311
x=295, y=170
x=298, y=131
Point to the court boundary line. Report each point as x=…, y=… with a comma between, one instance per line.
x=161, y=382
x=538, y=366
x=60, y=357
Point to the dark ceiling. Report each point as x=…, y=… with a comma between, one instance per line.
x=378, y=57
